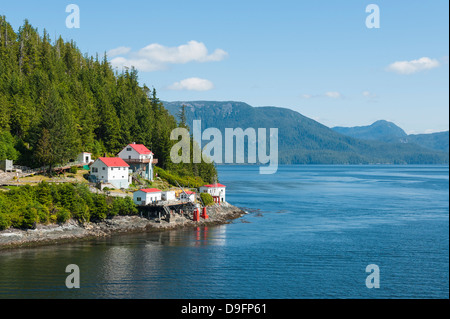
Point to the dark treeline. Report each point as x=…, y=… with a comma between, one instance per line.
x=56, y=102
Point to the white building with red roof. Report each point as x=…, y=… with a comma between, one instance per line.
x=112, y=170
x=216, y=190
x=187, y=196
x=146, y=196
x=140, y=159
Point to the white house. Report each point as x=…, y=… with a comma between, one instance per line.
x=140, y=159
x=146, y=196
x=168, y=195
x=187, y=196
x=84, y=157
x=111, y=170
x=217, y=191
x=6, y=165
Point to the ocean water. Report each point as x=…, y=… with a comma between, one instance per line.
x=310, y=232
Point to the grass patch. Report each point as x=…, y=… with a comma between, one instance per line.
x=73, y=177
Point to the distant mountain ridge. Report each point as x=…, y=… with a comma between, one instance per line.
x=436, y=141
x=389, y=132
x=380, y=130
x=302, y=140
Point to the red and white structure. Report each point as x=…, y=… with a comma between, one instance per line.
x=140, y=159
x=112, y=170
x=217, y=191
x=187, y=196
x=146, y=196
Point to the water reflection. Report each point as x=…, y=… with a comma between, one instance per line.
x=151, y=265
x=143, y=265
x=197, y=236
x=210, y=236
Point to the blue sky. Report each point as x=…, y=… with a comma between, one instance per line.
x=315, y=57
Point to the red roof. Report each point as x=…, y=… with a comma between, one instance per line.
x=214, y=185
x=113, y=161
x=140, y=148
x=150, y=190
x=189, y=192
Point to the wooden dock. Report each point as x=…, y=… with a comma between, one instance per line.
x=166, y=209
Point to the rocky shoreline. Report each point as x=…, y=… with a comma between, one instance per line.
x=72, y=230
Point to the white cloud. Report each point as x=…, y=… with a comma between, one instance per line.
x=413, y=66
x=371, y=97
x=143, y=65
x=333, y=95
x=427, y=131
x=330, y=94
x=192, y=84
x=156, y=56
x=118, y=51
x=430, y=131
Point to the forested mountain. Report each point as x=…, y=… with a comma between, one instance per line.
x=389, y=132
x=302, y=140
x=435, y=141
x=380, y=131
x=56, y=102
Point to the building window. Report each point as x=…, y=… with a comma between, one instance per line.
x=129, y=149
x=103, y=168
x=139, y=199
x=112, y=168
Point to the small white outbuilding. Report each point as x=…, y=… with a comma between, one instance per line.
x=187, y=196
x=147, y=196
x=168, y=195
x=84, y=157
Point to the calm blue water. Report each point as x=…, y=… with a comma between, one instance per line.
x=310, y=233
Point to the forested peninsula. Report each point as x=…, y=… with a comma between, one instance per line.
x=56, y=102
